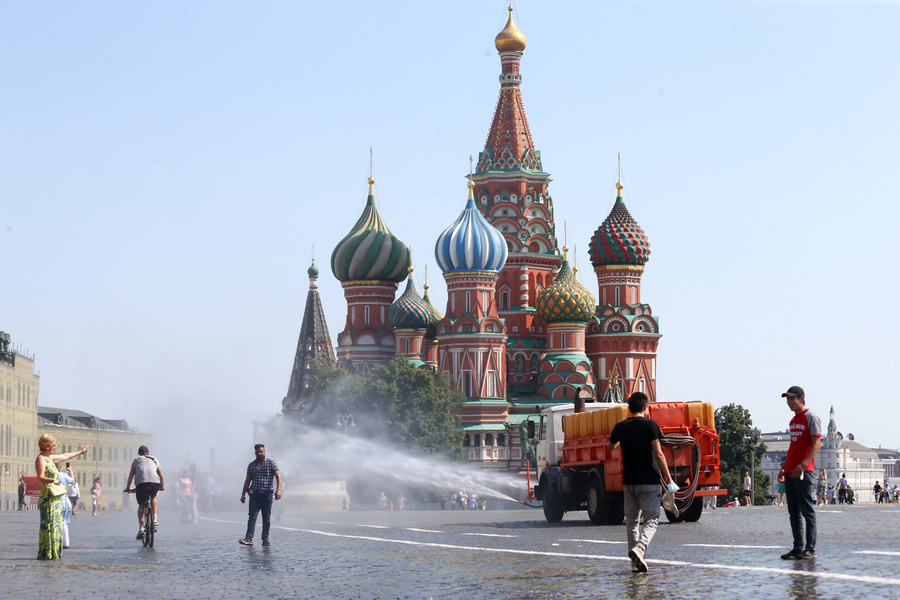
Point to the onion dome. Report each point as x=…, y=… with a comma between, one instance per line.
x=410, y=311
x=566, y=300
x=313, y=270
x=510, y=39
x=370, y=251
x=471, y=243
x=619, y=240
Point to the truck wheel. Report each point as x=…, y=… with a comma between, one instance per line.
x=602, y=509
x=595, y=502
x=553, y=510
x=693, y=512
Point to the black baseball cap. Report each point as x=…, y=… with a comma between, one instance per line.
x=794, y=390
x=143, y=450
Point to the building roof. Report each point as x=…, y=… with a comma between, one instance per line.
x=65, y=417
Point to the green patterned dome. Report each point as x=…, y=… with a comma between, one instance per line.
x=410, y=311
x=370, y=252
x=313, y=270
x=619, y=240
x=566, y=300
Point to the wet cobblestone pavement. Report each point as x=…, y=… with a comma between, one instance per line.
x=515, y=554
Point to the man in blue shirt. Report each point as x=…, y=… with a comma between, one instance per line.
x=260, y=474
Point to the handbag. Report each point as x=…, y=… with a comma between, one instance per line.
x=56, y=489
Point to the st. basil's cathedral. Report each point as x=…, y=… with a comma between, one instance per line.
x=519, y=330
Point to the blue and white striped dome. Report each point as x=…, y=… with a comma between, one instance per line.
x=471, y=243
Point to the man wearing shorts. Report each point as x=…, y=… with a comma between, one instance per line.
x=148, y=479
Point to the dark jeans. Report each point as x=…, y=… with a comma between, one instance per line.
x=842, y=496
x=801, y=502
x=260, y=501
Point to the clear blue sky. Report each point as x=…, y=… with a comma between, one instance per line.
x=166, y=168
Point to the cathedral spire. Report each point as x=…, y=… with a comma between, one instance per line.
x=509, y=144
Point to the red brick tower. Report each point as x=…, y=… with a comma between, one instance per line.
x=511, y=191
x=369, y=262
x=623, y=334
x=471, y=337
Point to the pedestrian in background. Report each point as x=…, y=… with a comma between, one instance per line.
x=781, y=489
x=186, y=489
x=748, y=500
x=66, y=480
x=639, y=438
x=73, y=492
x=798, y=467
x=821, y=486
x=95, y=496
x=259, y=483
x=842, y=488
x=21, y=492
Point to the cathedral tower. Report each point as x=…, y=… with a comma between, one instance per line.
x=472, y=337
x=623, y=334
x=511, y=191
x=566, y=306
x=314, y=344
x=415, y=326
x=369, y=262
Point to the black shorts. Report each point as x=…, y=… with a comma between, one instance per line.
x=144, y=491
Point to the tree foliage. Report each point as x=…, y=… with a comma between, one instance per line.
x=411, y=408
x=738, y=440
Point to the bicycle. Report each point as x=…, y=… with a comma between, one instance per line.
x=149, y=518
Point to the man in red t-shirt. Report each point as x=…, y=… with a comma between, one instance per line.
x=798, y=468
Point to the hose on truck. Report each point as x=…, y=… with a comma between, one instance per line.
x=683, y=499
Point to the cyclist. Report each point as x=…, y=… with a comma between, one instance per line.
x=148, y=479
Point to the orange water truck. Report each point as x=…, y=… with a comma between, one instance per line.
x=575, y=471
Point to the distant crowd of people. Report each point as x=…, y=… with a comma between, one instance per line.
x=463, y=501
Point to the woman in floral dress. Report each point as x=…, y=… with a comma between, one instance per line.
x=50, y=541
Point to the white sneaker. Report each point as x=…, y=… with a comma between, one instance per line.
x=636, y=555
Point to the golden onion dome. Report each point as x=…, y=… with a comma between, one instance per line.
x=565, y=300
x=510, y=39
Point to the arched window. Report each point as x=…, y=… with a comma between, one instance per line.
x=366, y=319
x=477, y=440
x=504, y=300
x=488, y=440
x=501, y=439
x=520, y=364
x=617, y=297
x=468, y=302
x=467, y=441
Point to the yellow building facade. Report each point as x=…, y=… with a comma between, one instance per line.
x=113, y=443
x=114, y=446
x=19, y=389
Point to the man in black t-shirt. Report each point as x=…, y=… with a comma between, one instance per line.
x=639, y=438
